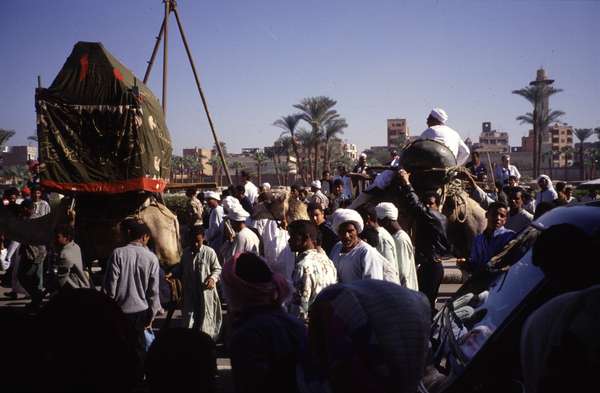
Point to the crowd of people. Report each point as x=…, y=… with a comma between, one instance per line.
x=309, y=301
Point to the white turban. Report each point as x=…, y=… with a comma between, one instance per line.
x=363, y=155
x=230, y=203
x=341, y=216
x=439, y=114
x=386, y=210
x=238, y=213
x=266, y=186
x=316, y=184
x=212, y=195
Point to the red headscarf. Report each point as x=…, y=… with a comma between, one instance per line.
x=242, y=294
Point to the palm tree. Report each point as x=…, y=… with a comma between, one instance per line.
x=317, y=111
x=5, y=135
x=237, y=166
x=260, y=159
x=582, y=134
x=33, y=138
x=273, y=154
x=284, y=144
x=176, y=166
x=567, y=152
x=308, y=140
x=289, y=124
x=16, y=174
x=541, y=117
x=331, y=130
x=215, y=163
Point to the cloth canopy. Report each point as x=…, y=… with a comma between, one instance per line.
x=100, y=129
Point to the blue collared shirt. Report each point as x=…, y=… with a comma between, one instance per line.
x=485, y=247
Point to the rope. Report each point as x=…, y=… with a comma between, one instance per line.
x=455, y=191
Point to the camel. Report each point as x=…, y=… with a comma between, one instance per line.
x=280, y=207
x=96, y=220
x=433, y=167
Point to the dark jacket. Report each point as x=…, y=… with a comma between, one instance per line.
x=431, y=240
x=266, y=347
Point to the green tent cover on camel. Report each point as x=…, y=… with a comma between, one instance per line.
x=101, y=130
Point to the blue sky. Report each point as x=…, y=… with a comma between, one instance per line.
x=378, y=59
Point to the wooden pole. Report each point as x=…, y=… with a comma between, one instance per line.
x=165, y=56
x=204, y=103
x=154, y=52
x=491, y=169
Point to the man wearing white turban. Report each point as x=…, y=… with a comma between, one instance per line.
x=245, y=239
x=439, y=131
x=214, y=233
x=353, y=258
x=318, y=198
x=387, y=215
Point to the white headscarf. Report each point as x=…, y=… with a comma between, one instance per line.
x=238, y=213
x=439, y=114
x=386, y=210
x=266, y=186
x=212, y=195
x=316, y=184
x=230, y=203
x=341, y=216
x=548, y=194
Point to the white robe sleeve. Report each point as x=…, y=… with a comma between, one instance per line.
x=406, y=261
x=372, y=264
x=463, y=152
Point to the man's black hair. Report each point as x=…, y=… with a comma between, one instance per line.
x=295, y=187
x=66, y=230
x=304, y=227
x=475, y=154
x=371, y=236
x=338, y=182
x=312, y=206
x=371, y=213
x=245, y=174
x=240, y=189
x=138, y=229
x=197, y=230
x=495, y=206
x=190, y=191
x=432, y=194
x=252, y=268
x=27, y=204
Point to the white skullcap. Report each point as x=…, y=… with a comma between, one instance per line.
x=316, y=184
x=266, y=186
x=363, y=155
x=238, y=213
x=386, y=210
x=212, y=195
x=439, y=114
x=230, y=203
x=341, y=216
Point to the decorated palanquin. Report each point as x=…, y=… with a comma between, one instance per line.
x=100, y=130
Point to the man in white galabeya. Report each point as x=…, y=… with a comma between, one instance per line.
x=439, y=131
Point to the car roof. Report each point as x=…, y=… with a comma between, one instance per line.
x=585, y=216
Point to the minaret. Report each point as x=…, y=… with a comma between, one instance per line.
x=542, y=79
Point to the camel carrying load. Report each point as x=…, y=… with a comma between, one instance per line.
x=432, y=167
x=103, y=141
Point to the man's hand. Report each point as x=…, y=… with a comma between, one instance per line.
x=404, y=177
x=210, y=283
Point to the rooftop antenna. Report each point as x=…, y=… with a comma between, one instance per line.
x=171, y=7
